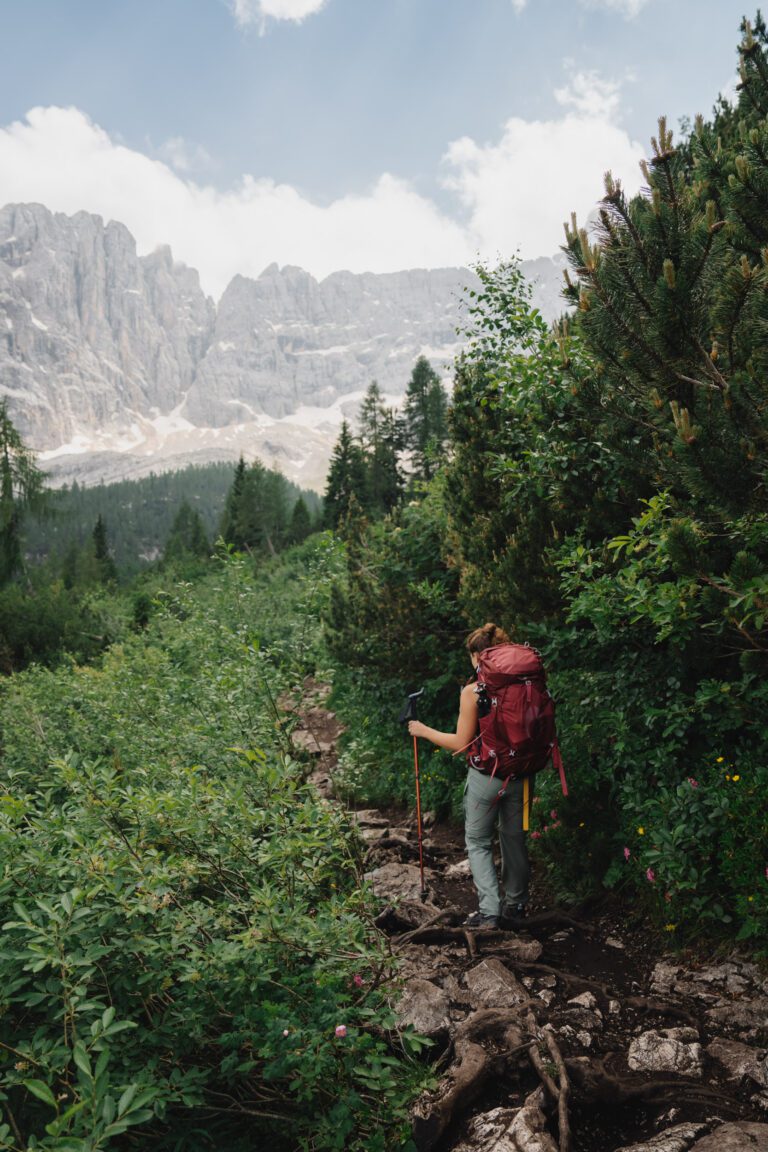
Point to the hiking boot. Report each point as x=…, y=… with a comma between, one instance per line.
x=513, y=913
x=479, y=922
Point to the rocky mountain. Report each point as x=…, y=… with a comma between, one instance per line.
x=115, y=364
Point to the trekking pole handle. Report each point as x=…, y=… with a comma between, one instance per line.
x=410, y=709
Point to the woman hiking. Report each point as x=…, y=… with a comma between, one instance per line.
x=488, y=801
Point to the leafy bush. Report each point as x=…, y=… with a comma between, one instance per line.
x=188, y=951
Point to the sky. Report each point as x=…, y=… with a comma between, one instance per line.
x=368, y=135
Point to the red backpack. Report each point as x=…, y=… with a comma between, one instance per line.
x=516, y=714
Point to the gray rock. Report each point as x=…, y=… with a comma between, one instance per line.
x=671, y=1050
x=458, y=870
x=747, y=1018
x=398, y=881
x=509, y=1130
x=580, y=1017
x=677, y=1139
x=425, y=1008
x=528, y=951
x=735, y=1137
x=370, y=818
x=585, y=1000
x=491, y=985
x=528, y=1130
x=740, y=1060
x=489, y=1132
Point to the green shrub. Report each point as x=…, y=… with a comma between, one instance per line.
x=188, y=950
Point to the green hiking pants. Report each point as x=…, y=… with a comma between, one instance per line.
x=483, y=810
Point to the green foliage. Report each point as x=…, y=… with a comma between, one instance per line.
x=256, y=514
x=381, y=441
x=424, y=421
x=187, y=540
x=347, y=482
x=140, y=515
x=605, y=498
x=187, y=949
x=39, y=622
x=396, y=609
x=376, y=765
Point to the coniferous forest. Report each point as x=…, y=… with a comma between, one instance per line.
x=190, y=956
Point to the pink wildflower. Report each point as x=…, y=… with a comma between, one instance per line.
x=537, y=836
x=693, y=783
x=553, y=814
x=627, y=853
x=357, y=980
x=650, y=875
x=285, y=1032
x=341, y=1031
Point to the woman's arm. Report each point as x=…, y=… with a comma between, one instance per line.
x=466, y=725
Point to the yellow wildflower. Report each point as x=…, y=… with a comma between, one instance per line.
x=670, y=927
x=719, y=759
x=641, y=831
x=737, y=778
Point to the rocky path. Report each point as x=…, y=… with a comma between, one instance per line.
x=569, y=1034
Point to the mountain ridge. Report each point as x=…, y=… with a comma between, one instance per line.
x=115, y=364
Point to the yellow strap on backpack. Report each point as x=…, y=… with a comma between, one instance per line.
x=526, y=801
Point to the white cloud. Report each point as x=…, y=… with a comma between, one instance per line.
x=520, y=190
x=258, y=11
x=61, y=159
x=590, y=96
x=519, y=5
x=184, y=156
x=628, y=8
x=513, y=194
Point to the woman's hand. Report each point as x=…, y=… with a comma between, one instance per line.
x=416, y=728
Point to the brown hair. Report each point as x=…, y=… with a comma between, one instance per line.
x=486, y=637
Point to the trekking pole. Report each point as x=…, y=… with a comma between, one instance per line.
x=409, y=713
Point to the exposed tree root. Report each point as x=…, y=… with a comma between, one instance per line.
x=416, y=933
x=651, y=1004
x=564, y=1091
x=466, y=1081
x=499, y=1029
x=597, y=1085
x=558, y=1092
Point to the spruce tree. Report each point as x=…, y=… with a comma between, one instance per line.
x=380, y=440
x=187, y=536
x=105, y=569
x=300, y=524
x=424, y=422
x=232, y=508
x=346, y=478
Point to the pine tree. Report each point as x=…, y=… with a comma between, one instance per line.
x=346, y=477
x=424, y=423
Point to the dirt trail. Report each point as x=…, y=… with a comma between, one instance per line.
x=570, y=1033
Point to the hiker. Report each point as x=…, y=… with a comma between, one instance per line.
x=488, y=800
